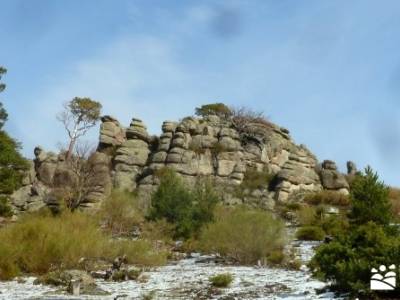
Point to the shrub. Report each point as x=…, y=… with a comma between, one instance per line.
x=276, y=257
x=5, y=208
x=243, y=234
x=307, y=215
x=310, y=233
x=119, y=213
x=247, y=121
x=218, y=109
x=221, y=280
x=367, y=242
x=370, y=200
x=188, y=209
x=327, y=197
x=158, y=230
x=252, y=180
x=38, y=243
x=12, y=164
x=348, y=260
x=334, y=224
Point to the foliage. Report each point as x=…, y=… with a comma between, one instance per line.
x=221, y=280
x=5, y=208
x=218, y=109
x=366, y=242
x=243, y=234
x=188, y=209
x=349, y=258
x=78, y=116
x=3, y=112
x=310, y=233
x=327, y=197
x=38, y=243
x=370, y=200
x=306, y=215
x=119, y=213
x=12, y=164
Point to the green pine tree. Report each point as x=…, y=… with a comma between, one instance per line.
x=370, y=200
x=12, y=164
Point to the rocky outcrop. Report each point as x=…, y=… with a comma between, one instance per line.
x=332, y=179
x=111, y=133
x=131, y=156
x=128, y=159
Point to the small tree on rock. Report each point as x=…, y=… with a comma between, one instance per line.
x=78, y=116
x=216, y=109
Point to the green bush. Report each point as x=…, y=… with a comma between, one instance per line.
x=12, y=164
x=5, y=208
x=367, y=242
x=348, y=260
x=221, y=280
x=243, y=234
x=310, y=233
x=188, y=209
x=38, y=243
x=370, y=200
x=218, y=109
x=276, y=257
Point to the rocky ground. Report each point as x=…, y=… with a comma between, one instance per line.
x=188, y=279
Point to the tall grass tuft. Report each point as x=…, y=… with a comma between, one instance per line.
x=39, y=243
x=243, y=234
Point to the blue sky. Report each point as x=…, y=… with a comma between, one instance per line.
x=329, y=71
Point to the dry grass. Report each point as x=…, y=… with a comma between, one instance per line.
x=243, y=234
x=327, y=197
x=39, y=243
x=119, y=214
x=306, y=215
x=394, y=196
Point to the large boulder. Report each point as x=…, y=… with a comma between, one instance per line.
x=331, y=178
x=111, y=133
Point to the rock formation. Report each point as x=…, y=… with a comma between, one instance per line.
x=128, y=158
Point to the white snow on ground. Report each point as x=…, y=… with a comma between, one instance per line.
x=189, y=280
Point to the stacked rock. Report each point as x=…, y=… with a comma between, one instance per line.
x=332, y=179
x=298, y=173
x=111, y=133
x=131, y=156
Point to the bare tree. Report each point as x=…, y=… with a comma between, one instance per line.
x=78, y=116
x=248, y=121
x=80, y=177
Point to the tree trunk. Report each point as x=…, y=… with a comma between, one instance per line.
x=70, y=148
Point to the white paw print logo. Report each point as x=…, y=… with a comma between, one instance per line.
x=384, y=279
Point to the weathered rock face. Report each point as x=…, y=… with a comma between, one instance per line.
x=351, y=168
x=50, y=172
x=332, y=179
x=111, y=133
x=128, y=158
x=131, y=156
